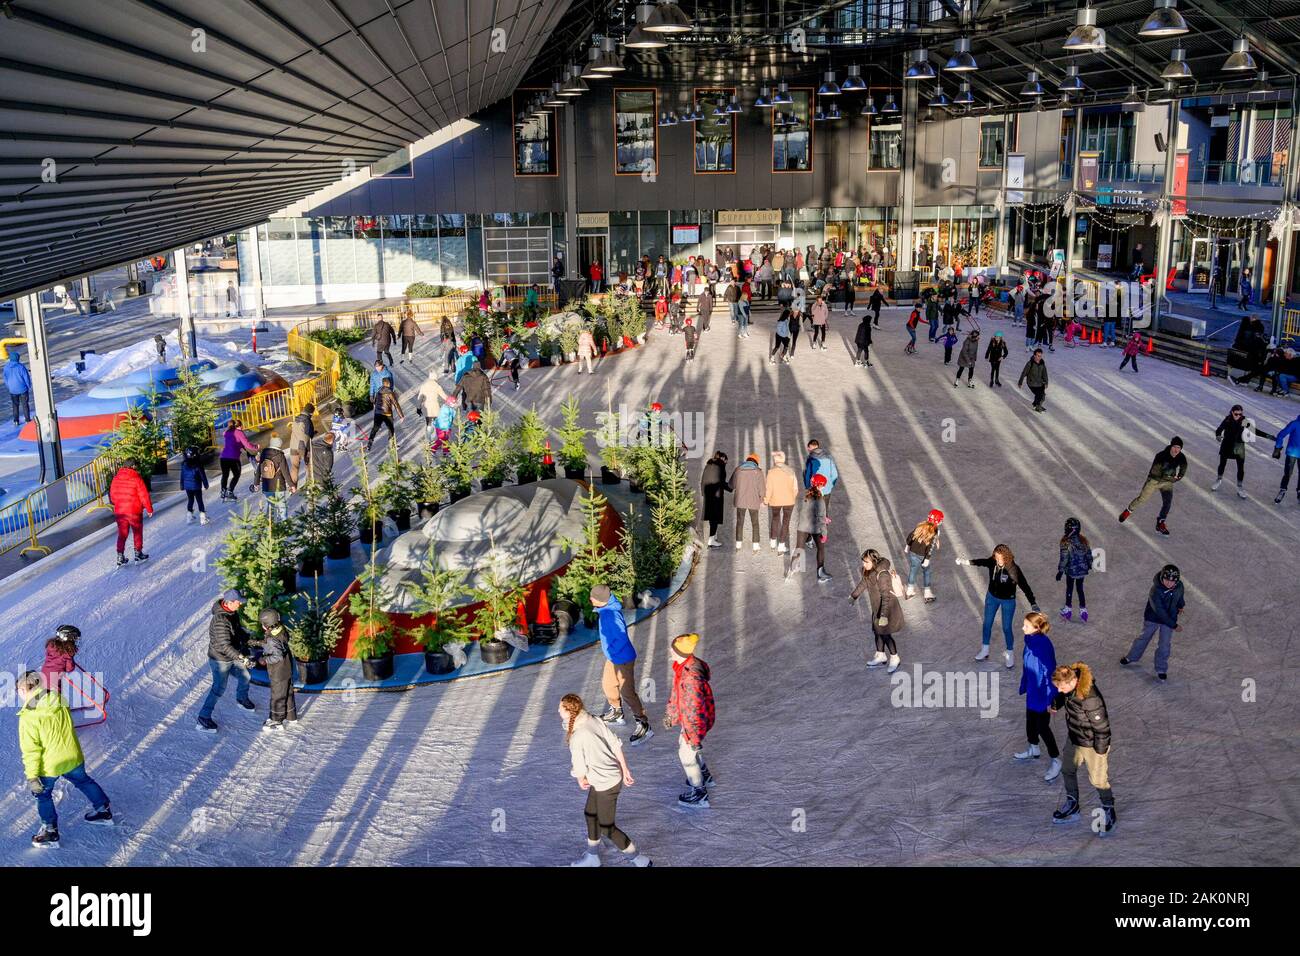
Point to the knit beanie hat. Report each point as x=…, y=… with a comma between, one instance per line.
x=600, y=595
x=684, y=644
x=778, y=458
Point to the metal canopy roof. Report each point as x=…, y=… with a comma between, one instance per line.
x=162, y=122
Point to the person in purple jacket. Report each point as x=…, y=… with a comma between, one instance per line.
x=235, y=442
x=618, y=680
x=1036, y=685
x=60, y=656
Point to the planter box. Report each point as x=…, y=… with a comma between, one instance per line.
x=377, y=668
x=402, y=519
x=340, y=549
x=577, y=474
x=485, y=484
x=428, y=509
x=314, y=672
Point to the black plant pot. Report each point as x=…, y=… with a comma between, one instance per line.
x=494, y=652
x=456, y=494
x=347, y=409
x=487, y=483
x=608, y=477
x=566, y=614
x=402, y=518
x=314, y=672
x=635, y=486
x=548, y=471
x=160, y=466
x=663, y=580
x=524, y=478
x=428, y=509
x=309, y=566
x=377, y=668
x=576, y=473
x=371, y=532
x=340, y=548
x=288, y=580
x=438, y=662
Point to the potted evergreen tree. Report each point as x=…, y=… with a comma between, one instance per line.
x=573, y=440
x=315, y=631
x=430, y=485
x=396, y=488
x=489, y=441
x=500, y=594
x=310, y=532
x=612, y=448
x=252, y=560
x=374, y=642
x=368, y=505
x=592, y=563
x=140, y=442
x=337, y=520
x=192, y=414
x=672, y=517
x=433, y=596
x=528, y=441
x=460, y=467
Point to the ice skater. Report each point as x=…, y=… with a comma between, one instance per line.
x=194, y=479
x=1167, y=469
x=966, y=359
x=1232, y=447
x=1004, y=577
x=877, y=582
x=60, y=656
x=994, y=354
x=691, y=707
x=276, y=658
x=1087, y=742
x=227, y=651
x=1131, y=349
x=1039, y=661
x=921, y=546
x=618, y=679
x=1290, y=437
x=1164, y=606
x=1074, y=564
x=811, y=523
x=1035, y=372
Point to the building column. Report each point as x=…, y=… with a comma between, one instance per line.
x=1002, y=242
x=43, y=410
x=1074, y=215
x=907, y=180
x=1165, y=244
x=570, y=160
x=1286, y=242
x=189, y=340
x=255, y=268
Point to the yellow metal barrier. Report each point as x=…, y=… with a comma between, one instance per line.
x=1291, y=324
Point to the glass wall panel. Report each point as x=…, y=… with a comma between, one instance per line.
x=715, y=135
x=792, y=139
x=636, y=135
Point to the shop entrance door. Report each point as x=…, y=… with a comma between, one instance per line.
x=925, y=242
x=592, y=249
x=741, y=240
x=1215, y=266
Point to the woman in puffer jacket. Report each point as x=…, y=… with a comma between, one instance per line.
x=967, y=357
x=885, y=609
x=1074, y=564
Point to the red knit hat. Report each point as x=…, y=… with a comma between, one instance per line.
x=935, y=516
x=464, y=349
x=473, y=416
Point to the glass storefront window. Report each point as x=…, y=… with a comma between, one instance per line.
x=886, y=145
x=992, y=146
x=636, y=135
x=792, y=142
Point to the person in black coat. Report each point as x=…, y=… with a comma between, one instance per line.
x=862, y=339
x=875, y=303
x=227, y=651
x=1232, y=447
x=279, y=669
x=1088, y=742
x=713, y=486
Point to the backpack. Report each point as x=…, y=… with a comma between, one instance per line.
x=267, y=469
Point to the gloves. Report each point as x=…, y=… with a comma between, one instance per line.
x=36, y=786
x=244, y=661
x=668, y=722
x=963, y=561
x=1058, y=575
x=925, y=563
x=1034, y=608
x=1277, y=452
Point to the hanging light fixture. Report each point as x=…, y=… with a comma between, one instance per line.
x=820, y=115
x=610, y=61
x=782, y=95
x=1133, y=102
x=940, y=99
x=556, y=97
x=1261, y=86
x=1177, y=69
x=764, y=99
x=590, y=71
x=829, y=87
x=780, y=118
x=834, y=112
x=961, y=60
x=920, y=68
x=734, y=105
x=1164, y=21
x=720, y=111
x=890, y=106
x=928, y=116
x=1071, y=83
x=963, y=97
x=1032, y=88
x=575, y=85
x=668, y=17
x=869, y=107
x=853, y=83
x=1086, y=37
x=1240, y=60
x=640, y=38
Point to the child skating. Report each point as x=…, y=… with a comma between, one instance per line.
x=994, y=354
x=1164, y=604
x=1074, y=564
x=948, y=340
x=690, y=336
x=921, y=546
x=1039, y=661
x=691, y=707
x=194, y=479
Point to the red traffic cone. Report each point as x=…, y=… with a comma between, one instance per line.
x=546, y=455
x=1096, y=336
x=523, y=618
x=1151, y=344
x=1205, y=368
x=543, y=609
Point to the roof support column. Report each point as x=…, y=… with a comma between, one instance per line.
x=1001, y=245
x=907, y=179
x=189, y=341
x=47, y=420
x=1074, y=216
x=1165, y=246
x=570, y=160
x=1286, y=242
x=254, y=278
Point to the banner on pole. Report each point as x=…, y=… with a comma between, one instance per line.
x=1015, y=183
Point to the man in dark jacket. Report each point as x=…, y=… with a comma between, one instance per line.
x=690, y=706
x=381, y=337
x=301, y=432
x=227, y=651
x=408, y=330
x=875, y=303
x=320, y=457
x=279, y=669
x=1167, y=468
x=862, y=342
x=386, y=405
x=476, y=388
x=1035, y=372
x=273, y=475
x=1164, y=603
x=1087, y=743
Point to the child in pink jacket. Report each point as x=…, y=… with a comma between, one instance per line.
x=60, y=656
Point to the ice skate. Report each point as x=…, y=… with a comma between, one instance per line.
x=270, y=726
x=894, y=661
x=100, y=818
x=697, y=798
x=122, y=561
x=911, y=590
x=983, y=655
x=1215, y=486
x=141, y=556
x=203, y=518
x=1011, y=661
x=1124, y=515
x=771, y=543
x=822, y=576
x=1241, y=493
x=189, y=517
x=1109, y=819
x=1280, y=495
x=46, y=838
x=714, y=542
x=246, y=704
x=1066, y=613
x=1029, y=753
x=1083, y=615
x=880, y=658
x=757, y=547
x=587, y=859
x=928, y=595
x=1162, y=527
x=641, y=859
x=1068, y=812
x=738, y=544
x=1053, y=770
x=613, y=715
x=781, y=548
x=642, y=733
x=207, y=725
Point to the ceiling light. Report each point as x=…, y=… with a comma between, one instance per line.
x=764, y=99
x=940, y=100
x=869, y=107
x=890, y=106
x=782, y=95
x=556, y=99
x=820, y=115
x=1240, y=61
x=829, y=87
x=640, y=38
x=720, y=111
x=1164, y=21
x=1032, y=87
x=590, y=71
x=734, y=106
x=575, y=85
x=1177, y=68
x=963, y=97
x=920, y=69
x=610, y=61
x=1086, y=37
x=1071, y=82
x=1261, y=86
x=1133, y=102
x=961, y=60
x=928, y=116
x=663, y=119
x=853, y=83
x=668, y=18
x=834, y=112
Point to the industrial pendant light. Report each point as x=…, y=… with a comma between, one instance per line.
x=1032, y=88
x=890, y=106
x=734, y=105
x=829, y=87
x=1133, y=102
x=590, y=71
x=720, y=112
x=575, y=85
x=663, y=119
x=869, y=107
x=940, y=99
x=963, y=97
x=834, y=112
x=820, y=115
x=764, y=99
x=640, y=38
x=782, y=95
x=1164, y=21
x=961, y=60
x=1240, y=60
x=1261, y=85
x=1177, y=69
x=928, y=116
x=668, y=18
x=610, y=61
x=556, y=99
x=920, y=68
x=1086, y=37
x=853, y=83
x=1071, y=82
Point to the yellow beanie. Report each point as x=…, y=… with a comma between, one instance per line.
x=684, y=644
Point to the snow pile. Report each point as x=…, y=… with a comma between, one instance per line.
x=133, y=358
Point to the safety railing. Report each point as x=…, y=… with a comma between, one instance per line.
x=36, y=512
x=1291, y=324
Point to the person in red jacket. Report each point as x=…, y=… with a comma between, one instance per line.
x=130, y=499
x=690, y=706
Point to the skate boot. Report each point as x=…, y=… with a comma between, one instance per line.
x=207, y=725
x=714, y=542
x=822, y=576
x=1280, y=495
x=1066, y=613
x=696, y=798
x=929, y=596
x=246, y=704
x=757, y=546
x=738, y=545
x=1068, y=813
x=1215, y=486
x=771, y=543
x=46, y=838
x=1241, y=492
x=189, y=517
x=911, y=590
x=781, y=548
x=1029, y=753
x=269, y=725
x=102, y=818
x=879, y=659
x=613, y=715
x=983, y=655
x=1083, y=615
x=122, y=560
x=1011, y=661
x=203, y=518
x=1053, y=770
x=1162, y=527
x=1124, y=515
x=141, y=556
x=894, y=661
x=1109, y=823
x=587, y=859
x=642, y=732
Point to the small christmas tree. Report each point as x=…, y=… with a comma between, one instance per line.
x=500, y=593
x=316, y=627
x=309, y=526
x=573, y=437
x=431, y=480
x=592, y=563
x=192, y=413
x=434, y=595
x=528, y=438
x=336, y=518
x=396, y=488
x=367, y=604
x=252, y=560
x=489, y=444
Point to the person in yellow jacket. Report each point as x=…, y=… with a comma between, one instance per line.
x=50, y=750
x=779, y=495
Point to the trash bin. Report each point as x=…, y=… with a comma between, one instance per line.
x=87, y=304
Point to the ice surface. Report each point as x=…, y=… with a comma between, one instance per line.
x=814, y=763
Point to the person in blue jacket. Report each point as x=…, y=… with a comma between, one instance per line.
x=377, y=378
x=819, y=462
x=1289, y=436
x=1163, y=606
x=194, y=479
x=464, y=363
x=618, y=679
x=1036, y=685
x=18, y=381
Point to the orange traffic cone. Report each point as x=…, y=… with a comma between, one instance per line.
x=1151, y=344
x=1205, y=368
x=523, y=618
x=546, y=455
x=1096, y=336
x=543, y=609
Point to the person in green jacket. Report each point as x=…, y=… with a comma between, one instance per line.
x=50, y=750
x=1035, y=372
